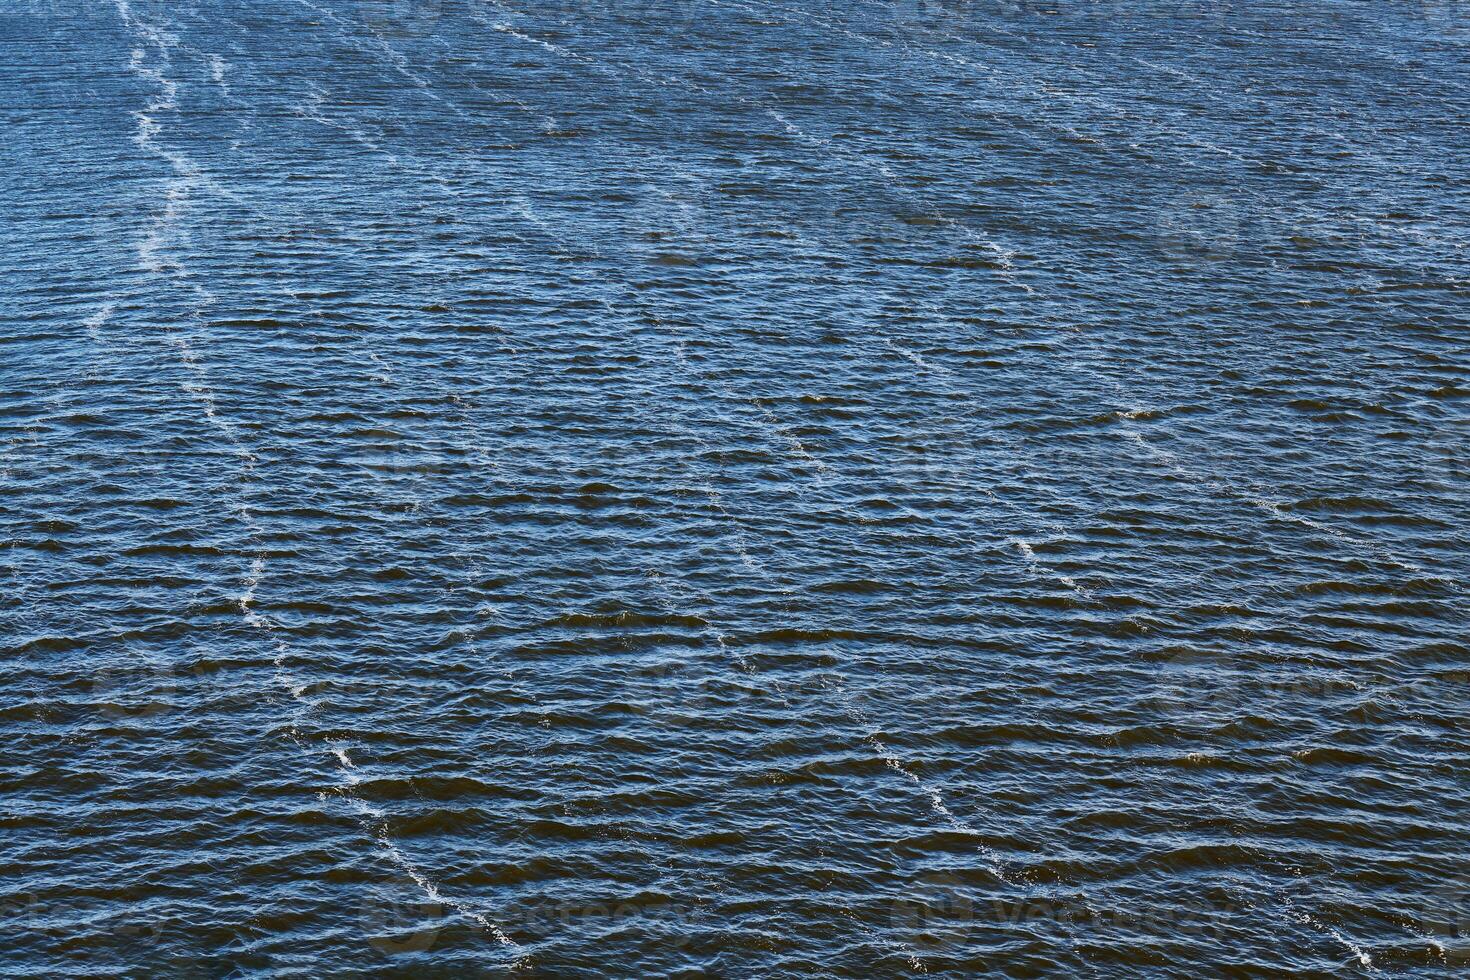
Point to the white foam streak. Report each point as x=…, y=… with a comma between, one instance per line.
x=1273, y=508
x=94, y=323
x=158, y=254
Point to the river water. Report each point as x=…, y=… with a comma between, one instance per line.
x=734, y=488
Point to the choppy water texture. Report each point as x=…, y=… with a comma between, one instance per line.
x=735, y=488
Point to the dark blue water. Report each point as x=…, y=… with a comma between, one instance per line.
x=734, y=488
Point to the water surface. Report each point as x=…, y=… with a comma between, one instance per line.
x=734, y=488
